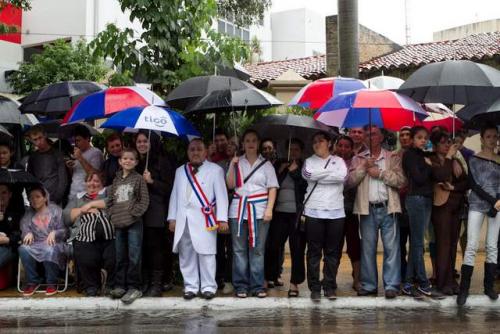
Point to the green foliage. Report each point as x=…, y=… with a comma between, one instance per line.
x=177, y=42
x=121, y=79
x=245, y=12
x=58, y=62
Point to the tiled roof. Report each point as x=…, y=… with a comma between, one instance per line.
x=474, y=47
x=308, y=67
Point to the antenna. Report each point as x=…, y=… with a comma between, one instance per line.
x=407, y=23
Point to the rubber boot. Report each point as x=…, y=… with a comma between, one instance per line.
x=155, y=289
x=489, y=280
x=464, y=284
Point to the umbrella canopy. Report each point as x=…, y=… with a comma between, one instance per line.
x=282, y=128
x=384, y=82
x=10, y=114
x=383, y=108
x=107, y=102
x=453, y=82
x=17, y=177
x=229, y=100
x=236, y=71
x=315, y=94
x=478, y=115
x=442, y=121
x=154, y=118
x=5, y=133
x=55, y=129
x=191, y=90
x=54, y=100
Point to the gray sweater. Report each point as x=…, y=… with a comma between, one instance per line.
x=486, y=174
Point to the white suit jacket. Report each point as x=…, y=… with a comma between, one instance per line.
x=185, y=208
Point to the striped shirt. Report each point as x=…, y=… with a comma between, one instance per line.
x=89, y=225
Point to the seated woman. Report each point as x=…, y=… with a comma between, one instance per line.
x=9, y=227
x=92, y=234
x=43, y=235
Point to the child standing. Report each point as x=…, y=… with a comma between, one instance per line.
x=127, y=202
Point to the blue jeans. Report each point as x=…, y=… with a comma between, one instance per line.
x=31, y=271
x=419, y=212
x=128, y=245
x=6, y=255
x=378, y=219
x=248, y=263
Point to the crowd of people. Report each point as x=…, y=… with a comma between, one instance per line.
x=229, y=211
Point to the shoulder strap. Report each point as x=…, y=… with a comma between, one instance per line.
x=315, y=185
x=254, y=170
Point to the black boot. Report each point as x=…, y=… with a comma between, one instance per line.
x=464, y=284
x=155, y=289
x=489, y=280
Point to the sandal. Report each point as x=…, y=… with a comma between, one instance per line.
x=293, y=293
x=279, y=282
x=241, y=295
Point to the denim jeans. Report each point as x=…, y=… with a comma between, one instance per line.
x=128, y=245
x=31, y=270
x=248, y=263
x=6, y=255
x=419, y=212
x=378, y=219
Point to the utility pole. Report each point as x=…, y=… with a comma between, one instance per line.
x=348, y=36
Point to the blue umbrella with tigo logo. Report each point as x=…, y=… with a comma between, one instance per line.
x=152, y=118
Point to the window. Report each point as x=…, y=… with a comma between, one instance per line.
x=221, y=26
x=246, y=35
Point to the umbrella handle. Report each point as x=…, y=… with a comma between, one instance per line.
x=149, y=149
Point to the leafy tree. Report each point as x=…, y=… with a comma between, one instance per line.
x=121, y=79
x=177, y=41
x=58, y=62
x=23, y=4
x=245, y=12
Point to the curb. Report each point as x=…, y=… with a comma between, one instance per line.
x=229, y=303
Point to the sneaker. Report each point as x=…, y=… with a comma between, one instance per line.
x=391, y=294
x=366, y=293
x=188, y=295
x=30, y=289
x=406, y=290
x=117, y=293
x=208, y=295
x=131, y=296
x=228, y=289
x=316, y=296
x=51, y=290
x=330, y=294
x=431, y=292
x=91, y=292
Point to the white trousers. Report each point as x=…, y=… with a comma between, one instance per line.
x=198, y=270
x=475, y=221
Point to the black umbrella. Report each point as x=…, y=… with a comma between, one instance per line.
x=10, y=114
x=17, y=177
x=53, y=101
x=4, y=133
x=229, y=100
x=191, y=90
x=453, y=82
x=236, y=71
x=282, y=128
x=478, y=115
x=55, y=129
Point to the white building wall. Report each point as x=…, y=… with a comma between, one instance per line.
x=315, y=27
x=265, y=35
x=289, y=34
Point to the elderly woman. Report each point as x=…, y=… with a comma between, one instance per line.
x=43, y=235
x=92, y=235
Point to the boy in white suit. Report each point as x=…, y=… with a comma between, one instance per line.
x=198, y=207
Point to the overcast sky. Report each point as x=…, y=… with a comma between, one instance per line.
x=388, y=16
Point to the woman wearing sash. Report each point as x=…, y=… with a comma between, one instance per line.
x=254, y=180
x=198, y=207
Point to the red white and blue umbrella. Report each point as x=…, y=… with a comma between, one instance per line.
x=315, y=94
x=153, y=118
x=383, y=108
x=107, y=102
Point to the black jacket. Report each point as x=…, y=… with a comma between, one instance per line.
x=109, y=169
x=300, y=183
x=418, y=173
x=10, y=226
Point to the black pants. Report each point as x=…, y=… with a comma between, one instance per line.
x=224, y=259
x=156, y=248
x=324, y=239
x=404, y=237
x=90, y=258
x=282, y=228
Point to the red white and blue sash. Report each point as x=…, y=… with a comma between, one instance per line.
x=248, y=211
x=207, y=207
x=238, y=176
